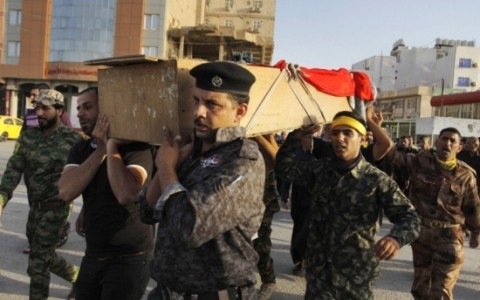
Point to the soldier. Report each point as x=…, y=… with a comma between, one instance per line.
x=31, y=120
x=444, y=192
x=348, y=195
x=263, y=244
x=209, y=207
x=43, y=151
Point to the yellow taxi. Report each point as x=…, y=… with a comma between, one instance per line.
x=10, y=127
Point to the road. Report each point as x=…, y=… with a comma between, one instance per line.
x=394, y=282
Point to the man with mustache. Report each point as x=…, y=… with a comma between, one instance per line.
x=208, y=205
x=108, y=173
x=444, y=192
x=43, y=151
x=348, y=197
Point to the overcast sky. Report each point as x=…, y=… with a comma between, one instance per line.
x=331, y=34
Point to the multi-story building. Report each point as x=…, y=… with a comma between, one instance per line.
x=453, y=63
x=411, y=82
x=47, y=41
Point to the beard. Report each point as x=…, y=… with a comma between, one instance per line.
x=44, y=123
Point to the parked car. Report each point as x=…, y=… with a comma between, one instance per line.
x=10, y=127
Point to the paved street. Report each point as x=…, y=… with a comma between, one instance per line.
x=394, y=282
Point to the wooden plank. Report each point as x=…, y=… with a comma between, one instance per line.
x=121, y=60
x=140, y=99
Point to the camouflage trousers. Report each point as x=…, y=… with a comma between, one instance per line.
x=350, y=279
x=263, y=244
x=43, y=229
x=437, y=259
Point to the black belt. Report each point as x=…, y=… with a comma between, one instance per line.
x=48, y=205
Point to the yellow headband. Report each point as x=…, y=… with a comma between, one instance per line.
x=350, y=122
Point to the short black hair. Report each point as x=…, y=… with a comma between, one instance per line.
x=240, y=98
x=450, y=129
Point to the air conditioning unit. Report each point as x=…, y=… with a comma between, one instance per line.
x=475, y=65
x=473, y=83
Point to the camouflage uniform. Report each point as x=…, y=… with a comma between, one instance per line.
x=44, y=158
x=263, y=244
x=445, y=201
x=207, y=220
x=340, y=261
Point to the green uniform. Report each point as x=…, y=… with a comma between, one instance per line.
x=346, y=206
x=41, y=159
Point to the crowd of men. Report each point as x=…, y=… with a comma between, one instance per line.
x=186, y=213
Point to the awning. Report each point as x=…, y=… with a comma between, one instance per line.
x=452, y=99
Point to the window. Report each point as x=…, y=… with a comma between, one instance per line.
x=465, y=63
x=15, y=17
x=463, y=81
x=257, y=4
x=466, y=111
x=150, y=22
x=256, y=26
x=13, y=49
x=150, y=50
x=228, y=4
x=228, y=23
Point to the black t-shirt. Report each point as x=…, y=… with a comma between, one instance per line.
x=112, y=229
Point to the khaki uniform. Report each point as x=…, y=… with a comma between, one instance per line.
x=446, y=201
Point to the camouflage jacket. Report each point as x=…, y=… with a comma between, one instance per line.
x=41, y=160
x=208, y=219
x=345, y=213
x=439, y=194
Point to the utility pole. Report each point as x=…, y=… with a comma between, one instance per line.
x=442, y=109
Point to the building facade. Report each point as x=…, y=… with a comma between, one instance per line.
x=47, y=41
x=452, y=64
x=425, y=83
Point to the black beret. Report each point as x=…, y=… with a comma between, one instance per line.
x=223, y=77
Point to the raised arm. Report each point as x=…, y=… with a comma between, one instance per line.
x=268, y=147
x=77, y=174
x=76, y=177
x=383, y=143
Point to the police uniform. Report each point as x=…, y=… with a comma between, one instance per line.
x=346, y=204
x=446, y=201
x=206, y=221
x=44, y=157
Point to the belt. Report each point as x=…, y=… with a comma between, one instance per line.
x=228, y=294
x=48, y=205
x=437, y=224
